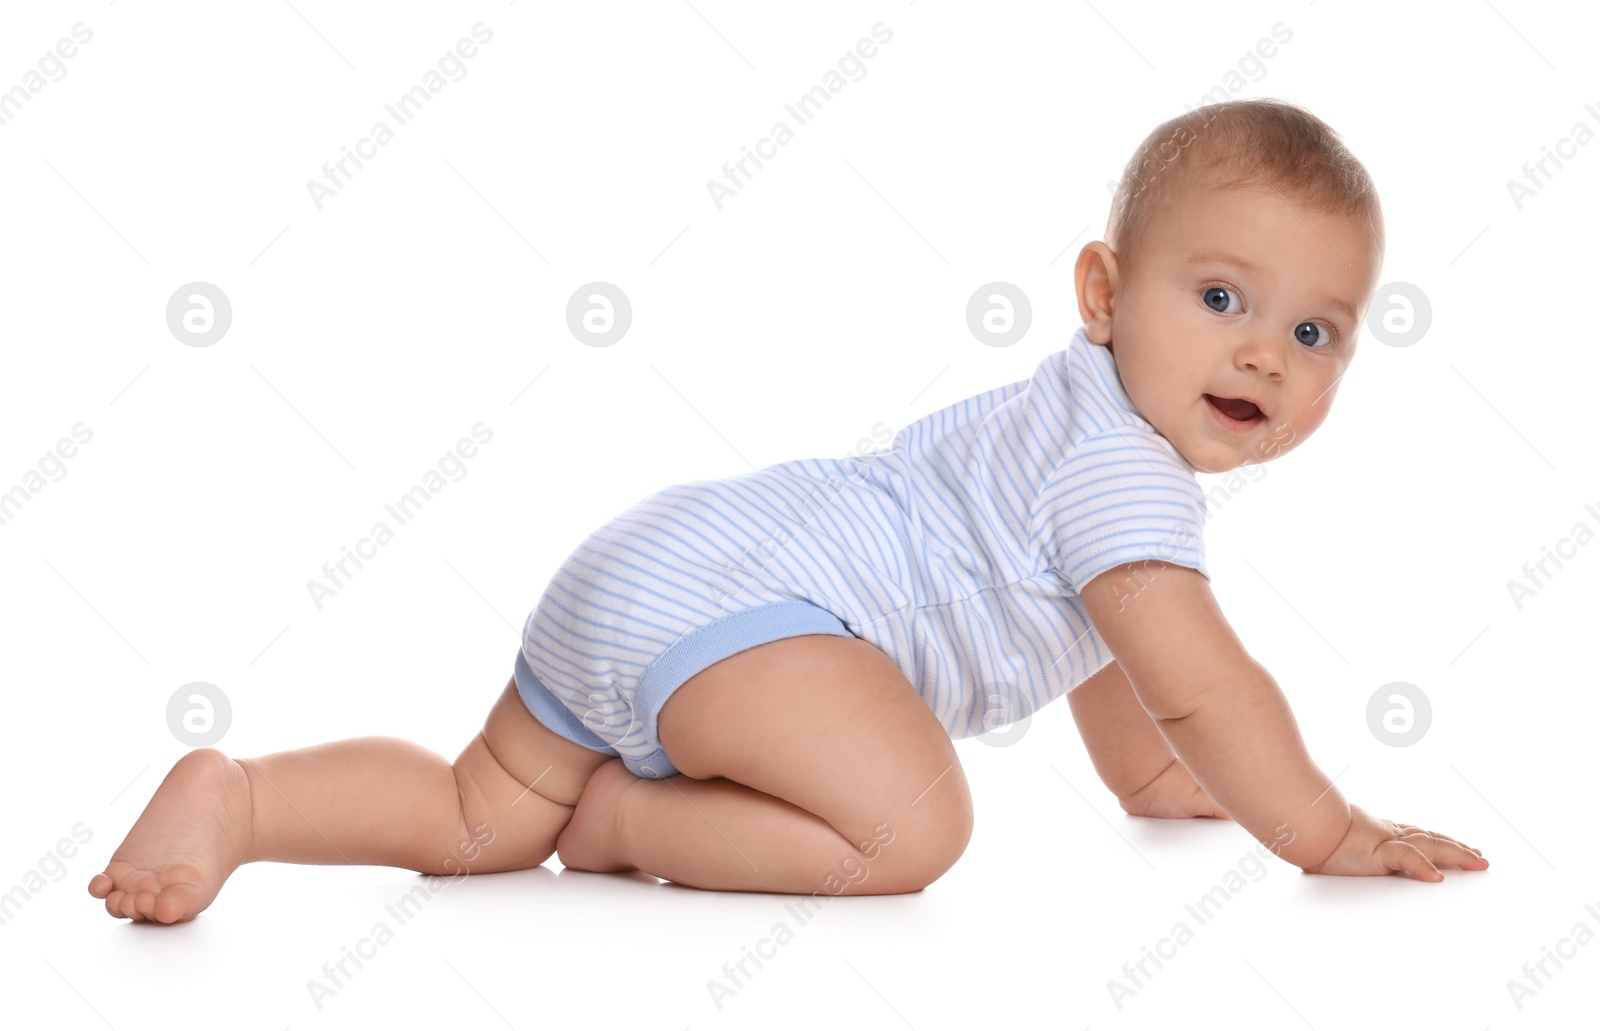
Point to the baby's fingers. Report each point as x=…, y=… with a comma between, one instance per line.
x=1460, y=846
x=1444, y=850
x=1404, y=857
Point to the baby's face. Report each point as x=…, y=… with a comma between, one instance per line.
x=1240, y=294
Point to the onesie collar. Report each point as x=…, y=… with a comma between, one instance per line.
x=1097, y=369
x=1101, y=366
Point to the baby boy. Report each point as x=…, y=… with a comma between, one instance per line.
x=753, y=684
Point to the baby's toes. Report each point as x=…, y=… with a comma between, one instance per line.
x=115, y=902
x=144, y=902
x=117, y=876
x=116, y=879
x=124, y=901
x=130, y=906
x=174, y=903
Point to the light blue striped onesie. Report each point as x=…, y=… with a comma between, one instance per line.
x=960, y=550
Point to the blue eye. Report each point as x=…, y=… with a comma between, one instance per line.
x=1217, y=298
x=1307, y=332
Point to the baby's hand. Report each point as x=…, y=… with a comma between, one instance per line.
x=1372, y=847
x=1173, y=795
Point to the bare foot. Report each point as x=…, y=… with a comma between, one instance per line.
x=192, y=835
x=592, y=839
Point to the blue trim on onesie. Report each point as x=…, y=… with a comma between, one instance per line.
x=547, y=709
x=687, y=656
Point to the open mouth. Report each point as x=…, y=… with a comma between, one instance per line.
x=1236, y=410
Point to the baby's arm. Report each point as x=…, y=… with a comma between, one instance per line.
x=1231, y=726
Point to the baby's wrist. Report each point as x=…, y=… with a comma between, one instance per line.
x=1322, y=840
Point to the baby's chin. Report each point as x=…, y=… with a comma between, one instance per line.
x=1213, y=464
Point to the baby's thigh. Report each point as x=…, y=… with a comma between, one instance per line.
x=519, y=783
x=831, y=725
x=534, y=755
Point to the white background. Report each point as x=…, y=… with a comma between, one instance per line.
x=827, y=296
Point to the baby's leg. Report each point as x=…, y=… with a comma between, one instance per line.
x=808, y=764
x=376, y=800
x=1131, y=754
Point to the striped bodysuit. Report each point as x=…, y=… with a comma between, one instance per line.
x=960, y=550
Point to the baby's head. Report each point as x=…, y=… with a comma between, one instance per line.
x=1243, y=248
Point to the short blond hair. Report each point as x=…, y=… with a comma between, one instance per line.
x=1240, y=144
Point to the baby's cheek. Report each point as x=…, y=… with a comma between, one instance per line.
x=1282, y=438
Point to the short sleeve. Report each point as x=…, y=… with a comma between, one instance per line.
x=1121, y=495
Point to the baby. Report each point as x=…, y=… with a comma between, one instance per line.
x=752, y=684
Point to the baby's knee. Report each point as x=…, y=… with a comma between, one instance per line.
x=947, y=842
x=911, y=852
x=503, y=825
x=473, y=848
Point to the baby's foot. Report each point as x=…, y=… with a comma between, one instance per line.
x=592, y=838
x=192, y=835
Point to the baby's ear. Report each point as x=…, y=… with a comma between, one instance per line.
x=1096, y=277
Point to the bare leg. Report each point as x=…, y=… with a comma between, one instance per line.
x=1131, y=754
x=809, y=764
x=378, y=801
x=721, y=835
